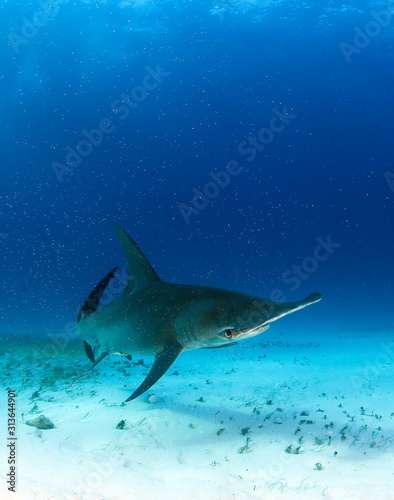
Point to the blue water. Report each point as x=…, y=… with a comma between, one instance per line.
x=218, y=73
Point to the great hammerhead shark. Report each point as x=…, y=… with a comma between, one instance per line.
x=162, y=319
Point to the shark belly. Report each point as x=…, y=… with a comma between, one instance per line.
x=131, y=325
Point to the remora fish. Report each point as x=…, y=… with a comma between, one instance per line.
x=163, y=320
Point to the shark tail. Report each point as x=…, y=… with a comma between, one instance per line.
x=92, y=302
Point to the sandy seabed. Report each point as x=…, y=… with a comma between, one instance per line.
x=282, y=419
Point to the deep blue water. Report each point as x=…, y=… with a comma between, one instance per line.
x=227, y=69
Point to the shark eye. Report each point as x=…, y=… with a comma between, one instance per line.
x=228, y=334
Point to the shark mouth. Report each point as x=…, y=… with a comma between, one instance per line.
x=252, y=332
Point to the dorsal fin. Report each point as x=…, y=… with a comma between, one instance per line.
x=139, y=269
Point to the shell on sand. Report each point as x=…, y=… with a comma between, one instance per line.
x=40, y=422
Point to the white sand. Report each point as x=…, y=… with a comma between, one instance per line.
x=183, y=448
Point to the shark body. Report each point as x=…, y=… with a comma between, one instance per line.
x=163, y=319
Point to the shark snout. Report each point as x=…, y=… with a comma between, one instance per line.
x=262, y=313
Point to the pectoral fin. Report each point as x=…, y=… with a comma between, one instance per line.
x=161, y=364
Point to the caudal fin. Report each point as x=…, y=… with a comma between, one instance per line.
x=92, y=302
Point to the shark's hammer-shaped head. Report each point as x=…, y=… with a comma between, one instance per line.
x=226, y=317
